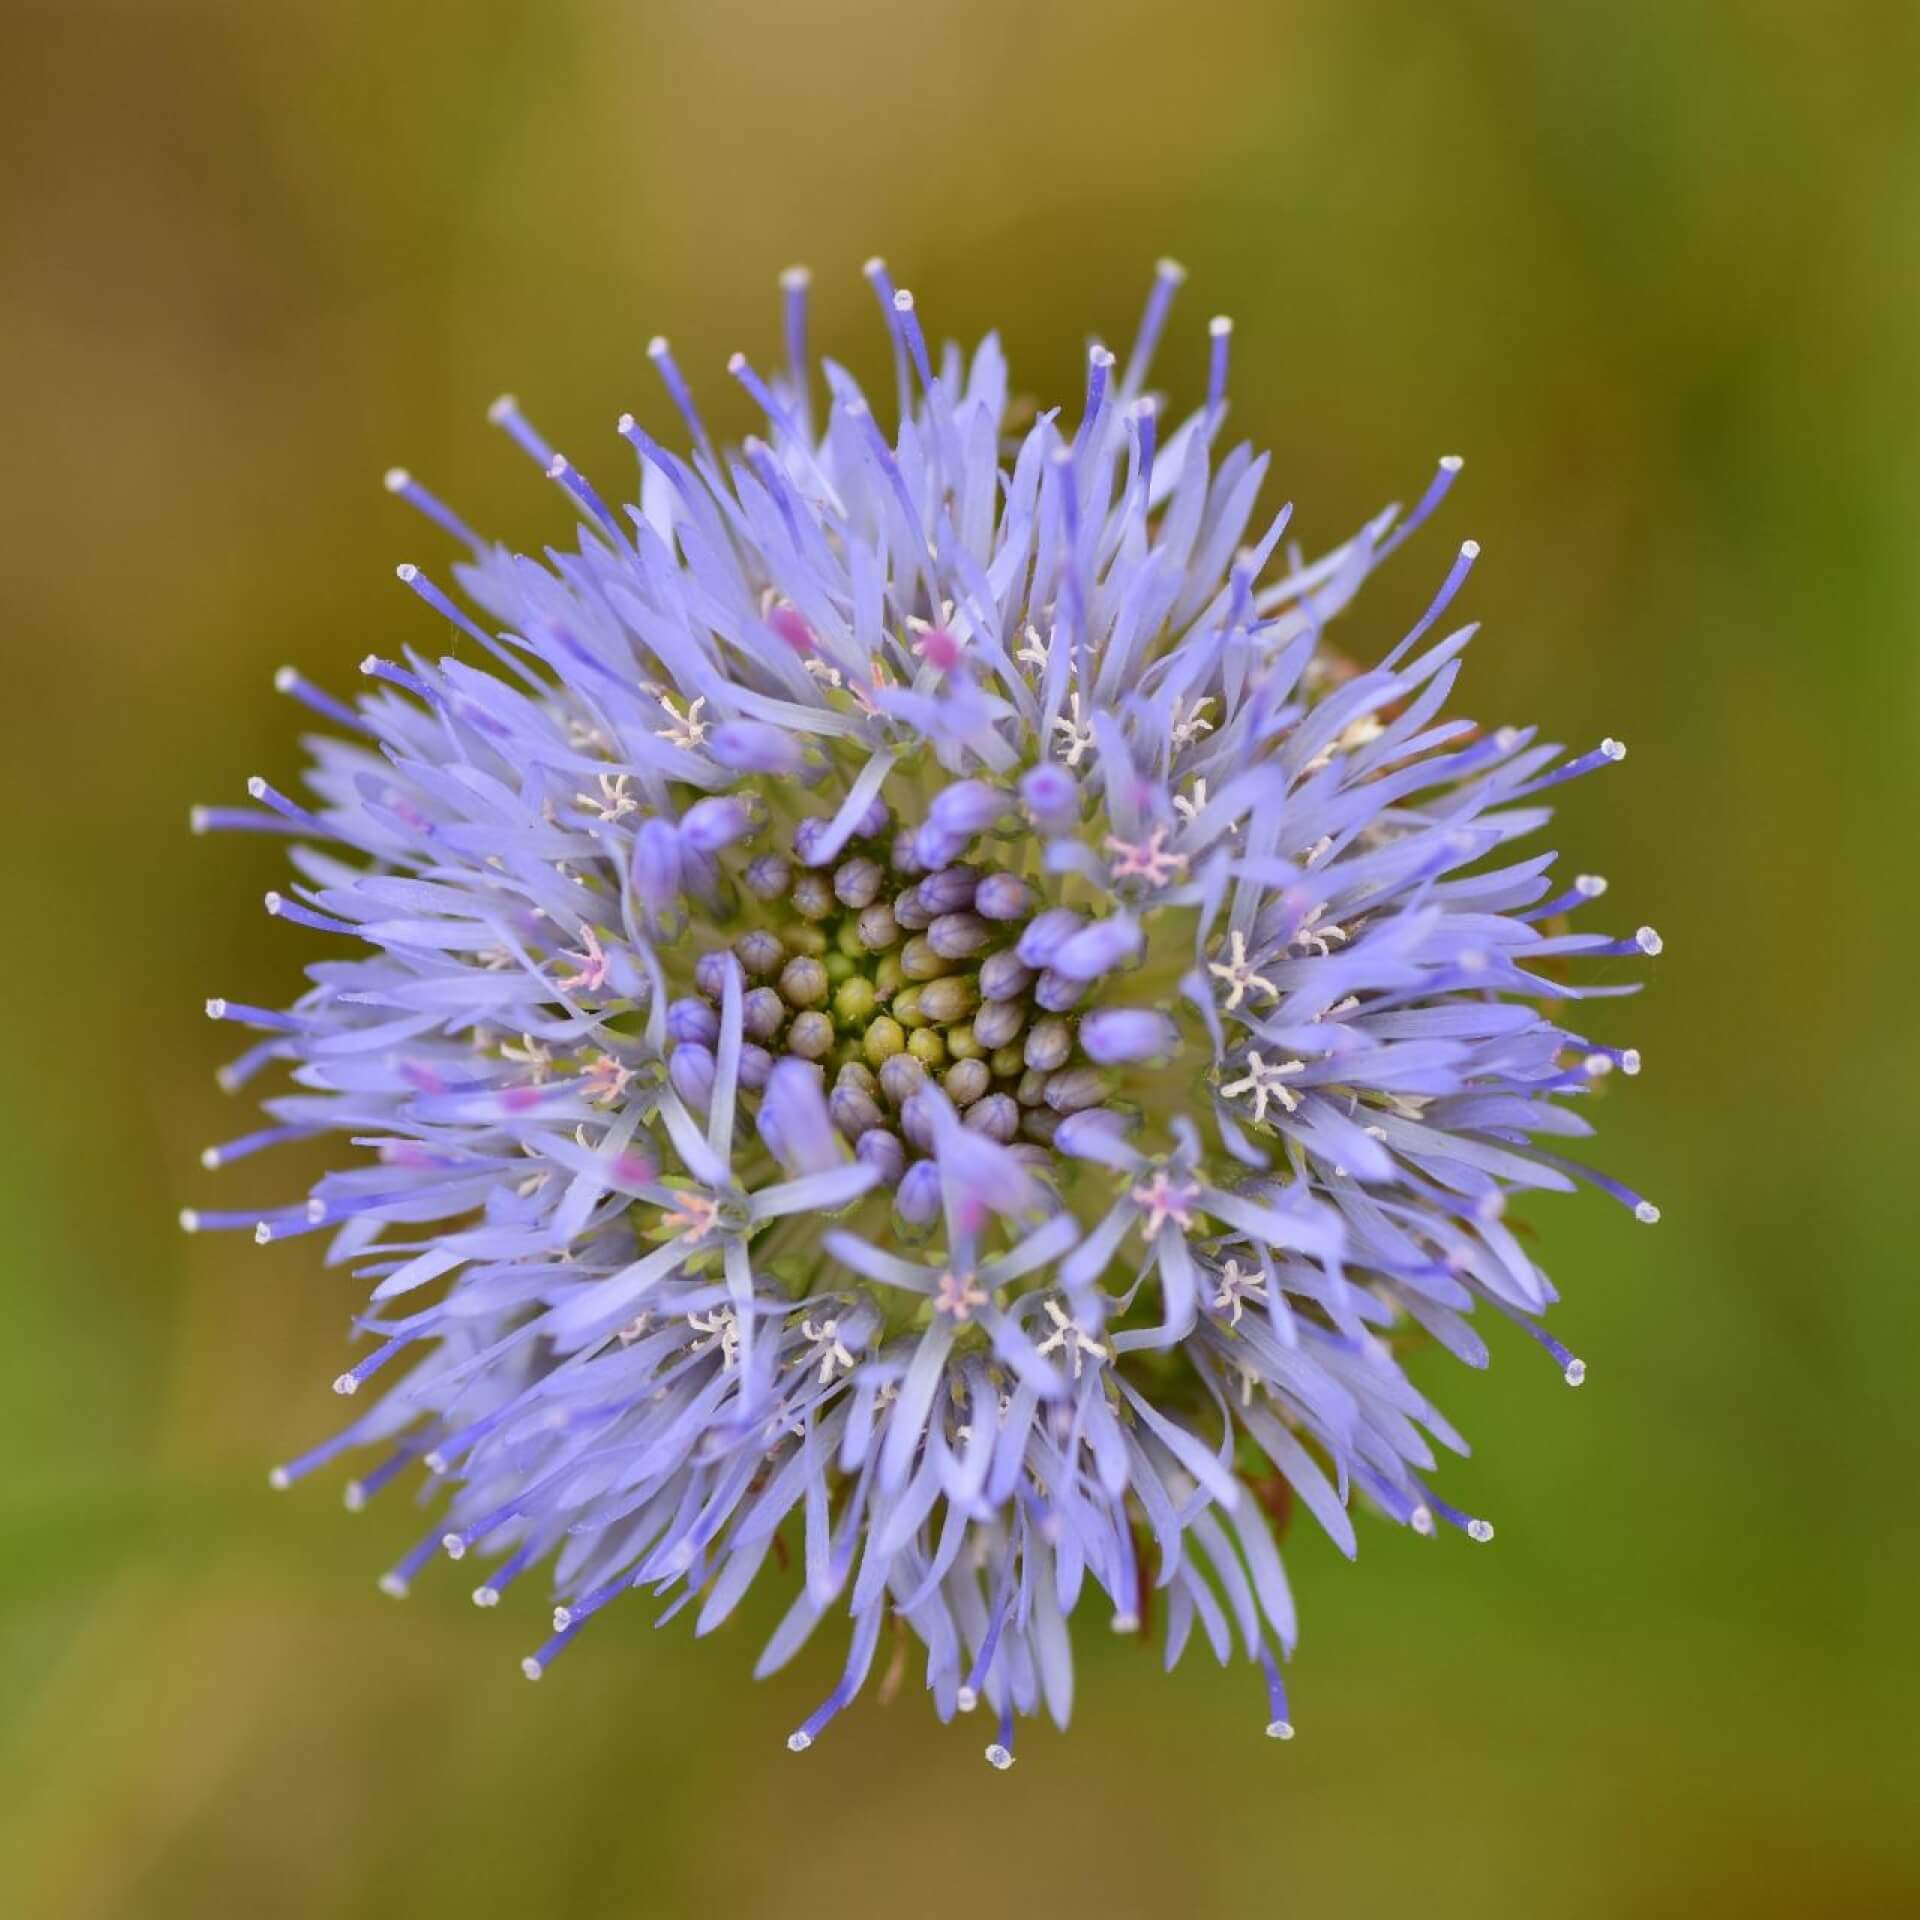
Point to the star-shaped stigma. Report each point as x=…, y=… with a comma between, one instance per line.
x=1267, y=1083
x=1236, y=1288
x=1238, y=972
x=592, y=977
x=1151, y=861
x=1078, y=736
x=958, y=1295
x=694, y=1216
x=1070, y=1334
x=1163, y=1199
x=688, y=729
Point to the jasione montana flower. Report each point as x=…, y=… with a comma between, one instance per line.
x=902, y=1017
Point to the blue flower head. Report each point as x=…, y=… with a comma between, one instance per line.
x=901, y=1015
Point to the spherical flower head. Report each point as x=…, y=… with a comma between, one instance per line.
x=908, y=1030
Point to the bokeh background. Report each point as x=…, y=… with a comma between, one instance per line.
x=1651, y=268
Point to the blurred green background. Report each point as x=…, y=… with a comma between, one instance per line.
x=1652, y=268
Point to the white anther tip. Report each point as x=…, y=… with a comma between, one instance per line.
x=316, y=1211
x=1647, y=1214
x=216, y=1008
x=1100, y=356
x=902, y=300
x=393, y=1586
x=197, y=819
x=1630, y=1061
x=256, y=787
x=285, y=679
x=735, y=361
x=1507, y=738
x=209, y=1158
x=353, y=1496
x=796, y=276
x=999, y=1757
x=345, y=1383
x=532, y=1667
x=966, y=1699
x=1220, y=324
x=1575, y=1373
x=1421, y=1520
x=625, y=424
x=1451, y=463
x=1614, y=749
x=189, y=1220
x=435, y=1462
x=262, y=1233
x=874, y=266
x=274, y=902
x=1480, y=1530
x=1469, y=549
x=1597, y=1064
x=1279, y=1730
x=562, y=1619
x=1125, y=1623
x=486, y=1596
x=1648, y=941
x=502, y=408
x=453, y=1546
x=371, y=664
x=406, y=571
x=557, y=466
x=1593, y=885
x=279, y=1479
x=396, y=479
x=799, y=1742
x=1170, y=269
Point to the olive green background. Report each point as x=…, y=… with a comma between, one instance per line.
x=1653, y=269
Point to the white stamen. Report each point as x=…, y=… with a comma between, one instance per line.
x=486, y=1596
x=1421, y=1520
x=562, y=1619
x=189, y=1220
x=1125, y=1623
x=1647, y=1213
x=197, y=819
x=406, y=571
x=1630, y=1061
x=279, y=1479
x=262, y=1232
x=453, y=1546
x=1481, y=1530
x=998, y=1756
x=343, y=1383
x=1593, y=885
x=500, y=409
x=1614, y=749
x=1576, y=1372
x=396, y=480
x=799, y=1742
x=393, y=1586
x=966, y=1699
x=1279, y=1730
x=532, y=1667
x=285, y=679
x=1648, y=941
x=353, y=1496
x=1597, y=1064
x=216, y=1009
